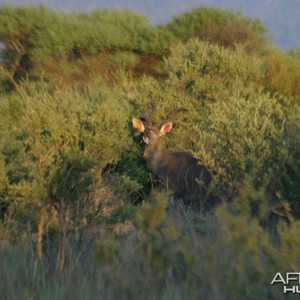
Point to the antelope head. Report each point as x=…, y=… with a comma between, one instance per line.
x=153, y=131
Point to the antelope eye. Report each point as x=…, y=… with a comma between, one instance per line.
x=147, y=131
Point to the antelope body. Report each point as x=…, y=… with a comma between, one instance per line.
x=179, y=171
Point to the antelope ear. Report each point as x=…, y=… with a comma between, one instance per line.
x=138, y=125
x=165, y=128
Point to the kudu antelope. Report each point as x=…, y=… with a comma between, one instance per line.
x=179, y=171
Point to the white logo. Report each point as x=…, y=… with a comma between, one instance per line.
x=291, y=282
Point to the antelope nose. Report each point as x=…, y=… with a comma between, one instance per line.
x=146, y=139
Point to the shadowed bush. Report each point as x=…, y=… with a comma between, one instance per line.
x=168, y=253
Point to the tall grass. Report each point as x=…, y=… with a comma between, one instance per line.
x=163, y=252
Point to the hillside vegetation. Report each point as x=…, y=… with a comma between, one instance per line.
x=80, y=210
x=280, y=17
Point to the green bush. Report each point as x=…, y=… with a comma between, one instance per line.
x=219, y=26
x=233, y=125
x=37, y=39
x=282, y=74
x=55, y=146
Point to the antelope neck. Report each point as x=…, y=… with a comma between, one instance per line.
x=154, y=154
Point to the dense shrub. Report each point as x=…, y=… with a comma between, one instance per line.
x=283, y=74
x=106, y=29
x=220, y=27
x=235, y=127
x=19, y=27
x=55, y=146
x=36, y=38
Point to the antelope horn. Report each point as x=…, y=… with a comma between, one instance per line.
x=148, y=118
x=174, y=113
x=171, y=116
